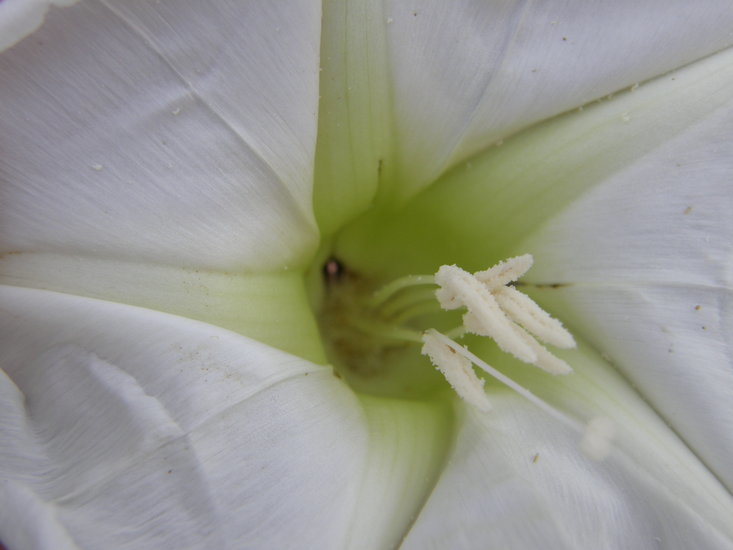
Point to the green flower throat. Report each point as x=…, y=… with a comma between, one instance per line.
x=373, y=333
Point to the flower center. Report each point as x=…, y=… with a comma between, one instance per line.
x=373, y=333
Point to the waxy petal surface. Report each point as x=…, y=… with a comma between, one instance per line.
x=115, y=415
x=169, y=132
x=425, y=85
x=517, y=479
x=645, y=267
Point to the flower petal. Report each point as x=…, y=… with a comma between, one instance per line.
x=355, y=141
x=269, y=307
x=644, y=263
x=170, y=132
x=414, y=88
x=516, y=478
x=19, y=18
x=128, y=427
x=482, y=211
x=495, y=68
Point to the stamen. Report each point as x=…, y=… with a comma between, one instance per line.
x=437, y=339
x=416, y=310
x=545, y=360
x=456, y=369
x=392, y=318
x=406, y=299
x=523, y=310
x=384, y=293
x=505, y=272
x=497, y=311
x=484, y=317
x=387, y=331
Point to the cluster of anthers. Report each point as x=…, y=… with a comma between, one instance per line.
x=499, y=311
x=495, y=309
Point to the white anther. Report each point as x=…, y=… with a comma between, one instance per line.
x=505, y=272
x=434, y=340
x=485, y=317
x=499, y=312
x=457, y=370
x=545, y=360
x=448, y=278
x=523, y=310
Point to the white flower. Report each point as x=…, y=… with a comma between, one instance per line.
x=171, y=184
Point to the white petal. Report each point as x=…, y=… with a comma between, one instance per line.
x=484, y=211
x=412, y=88
x=355, y=133
x=269, y=307
x=466, y=74
x=19, y=504
x=19, y=18
x=173, y=132
x=517, y=479
x=127, y=427
x=647, y=257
